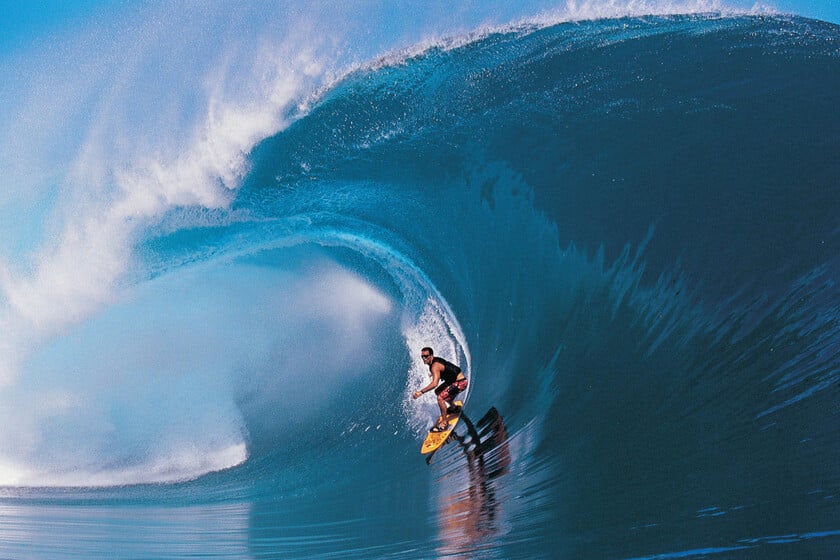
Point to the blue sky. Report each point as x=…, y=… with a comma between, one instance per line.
x=826, y=10
x=20, y=20
x=24, y=20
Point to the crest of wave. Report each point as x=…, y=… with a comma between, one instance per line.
x=153, y=110
x=99, y=155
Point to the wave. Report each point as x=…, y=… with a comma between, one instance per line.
x=624, y=229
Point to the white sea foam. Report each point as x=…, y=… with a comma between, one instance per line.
x=563, y=12
x=166, y=385
x=434, y=328
x=124, y=169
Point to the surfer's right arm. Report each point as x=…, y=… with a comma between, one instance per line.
x=435, y=372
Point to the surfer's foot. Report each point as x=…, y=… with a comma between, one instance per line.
x=453, y=409
x=438, y=428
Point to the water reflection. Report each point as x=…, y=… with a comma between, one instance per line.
x=128, y=531
x=468, y=509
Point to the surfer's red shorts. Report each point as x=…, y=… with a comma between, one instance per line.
x=448, y=392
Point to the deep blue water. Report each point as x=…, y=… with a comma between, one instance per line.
x=625, y=230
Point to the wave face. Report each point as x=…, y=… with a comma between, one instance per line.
x=626, y=231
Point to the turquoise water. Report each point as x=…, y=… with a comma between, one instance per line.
x=624, y=229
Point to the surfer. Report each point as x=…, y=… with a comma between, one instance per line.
x=454, y=381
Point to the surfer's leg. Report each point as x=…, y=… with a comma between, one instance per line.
x=441, y=422
x=448, y=395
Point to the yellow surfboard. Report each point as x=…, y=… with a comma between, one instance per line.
x=436, y=439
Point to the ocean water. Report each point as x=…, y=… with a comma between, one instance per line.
x=227, y=233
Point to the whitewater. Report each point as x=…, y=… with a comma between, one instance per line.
x=228, y=230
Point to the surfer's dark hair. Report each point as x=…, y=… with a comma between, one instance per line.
x=428, y=349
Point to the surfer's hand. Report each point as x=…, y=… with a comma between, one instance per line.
x=417, y=394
